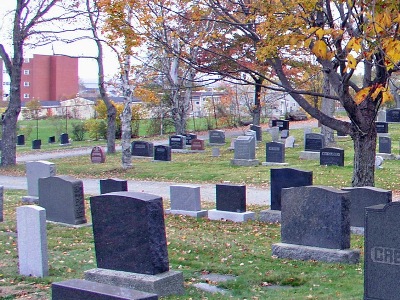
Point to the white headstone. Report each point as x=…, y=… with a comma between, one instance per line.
x=378, y=162
x=289, y=142
x=274, y=131
x=215, y=151
x=34, y=171
x=32, y=241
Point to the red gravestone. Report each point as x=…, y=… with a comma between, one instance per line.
x=197, y=144
x=97, y=155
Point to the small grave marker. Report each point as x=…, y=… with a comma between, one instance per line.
x=97, y=155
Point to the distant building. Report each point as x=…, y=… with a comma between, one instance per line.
x=46, y=78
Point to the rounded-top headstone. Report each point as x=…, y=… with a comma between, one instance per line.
x=97, y=155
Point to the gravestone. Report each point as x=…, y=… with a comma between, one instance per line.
x=253, y=134
x=111, y=185
x=197, y=145
x=382, y=252
x=215, y=152
x=189, y=138
x=32, y=241
x=289, y=142
x=331, y=156
x=382, y=127
x=1, y=203
x=36, y=144
x=314, y=142
x=34, y=171
x=393, y=115
x=162, y=153
x=230, y=204
x=378, y=161
x=284, y=134
x=258, y=131
x=381, y=117
x=385, y=144
x=275, y=152
x=63, y=199
x=185, y=200
x=78, y=289
x=245, y=147
x=216, y=137
x=52, y=139
x=315, y=225
x=20, y=140
x=142, y=148
x=232, y=146
x=97, y=155
x=177, y=141
x=274, y=131
x=64, y=139
x=281, y=124
x=362, y=197
x=133, y=251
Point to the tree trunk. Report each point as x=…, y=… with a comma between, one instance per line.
x=126, y=118
x=256, y=111
x=328, y=108
x=9, y=137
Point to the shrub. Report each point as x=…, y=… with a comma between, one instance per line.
x=78, y=131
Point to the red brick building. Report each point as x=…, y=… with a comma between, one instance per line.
x=49, y=78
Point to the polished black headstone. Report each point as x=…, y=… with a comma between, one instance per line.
x=275, y=152
x=113, y=185
x=314, y=142
x=382, y=252
x=63, y=199
x=216, y=137
x=315, y=216
x=385, y=144
x=36, y=144
x=258, y=131
x=393, y=115
x=79, y=289
x=331, y=157
x=382, y=127
x=362, y=197
x=282, y=124
x=64, y=139
x=21, y=140
x=52, y=139
x=231, y=197
x=189, y=138
x=129, y=232
x=142, y=148
x=285, y=178
x=162, y=152
x=177, y=141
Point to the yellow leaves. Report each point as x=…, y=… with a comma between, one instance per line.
x=354, y=44
x=351, y=61
x=362, y=95
x=320, y=49
x=373, y=92
x=392, y=49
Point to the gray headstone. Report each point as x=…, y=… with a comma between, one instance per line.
x=177, y=141
x=314, y=142
x=381, y=117
x=385, y=144
x=289, y=142
x=284, y=134
x=275, y=152
x=315, y=216
x=32, y=241
x=245, y=147
x=393, y=115
x=111, y=185
x=286, y=178
x=185, y=198
x=215, y=152
x=274, y=131
x=1, y=203
x=231, y=197
x=63, y=199
x=216, y=137
x=362, y=197
x=378, y=161
x=142, y=148
x=129, y=232
x=331, y=157
x=34, y=171
x=382, y=252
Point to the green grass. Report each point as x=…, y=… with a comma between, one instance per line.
x=195, y=246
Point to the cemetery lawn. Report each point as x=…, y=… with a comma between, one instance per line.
x=196, y=247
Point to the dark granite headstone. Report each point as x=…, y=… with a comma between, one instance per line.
x=385, y=144
x=231, y=197
x=162, y=152
x=21, y=140
x=285, y=178
x=63, y=199
x=331, y=157
x=275, y=152
x=362, y=197
x=189, y=138
x=177, y=141
x=79, y=289
x=315, y=216
x=97, y=155
x=382, y=127
x=142, y=148
x=258, y=131
x=382, y=252
x=111, y=185
x=393, y=115
x=36, y=144
x=245, y=147
x=129, y=232
x=216, y=137
x=282, y=124
x=64, y=139
x=52, y=139
x=197, y=144
x=314, y=142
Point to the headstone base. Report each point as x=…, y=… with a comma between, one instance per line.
x=30, y=199
x=67, y=144
x=77, y=289
x=184, y=151
x=357, y=230
x=387, y=156
x=270, y=216
x=215, y=144
x=70, y=225
x=163, y=284
x=245, y=162
x=266, y=163
x=190, y=213
x=283, y=250
x=309, y=155
x=218, y=215
x=137, y=157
